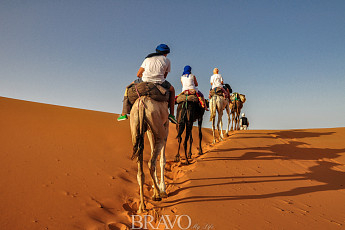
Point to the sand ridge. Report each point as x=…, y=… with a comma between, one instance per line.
x=66, y=168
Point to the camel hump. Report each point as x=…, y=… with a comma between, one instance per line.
x=243, y=98
x=238, y=97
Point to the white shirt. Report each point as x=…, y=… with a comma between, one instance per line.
x=188, y=82
x=155, y=68
x=216, y=80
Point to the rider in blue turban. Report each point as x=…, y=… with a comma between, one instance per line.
x=160, y=50
x=187, y=70
x=163, y=49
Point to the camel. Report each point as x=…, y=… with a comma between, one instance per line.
x=151, y=116
x=187, y=113
x=218, y=104
x=235, y=106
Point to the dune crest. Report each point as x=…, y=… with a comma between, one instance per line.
x=66, y=168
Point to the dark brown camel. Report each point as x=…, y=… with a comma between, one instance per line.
x=187, y=113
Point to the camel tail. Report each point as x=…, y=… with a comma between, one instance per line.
x=138, y=147
x=213, y=108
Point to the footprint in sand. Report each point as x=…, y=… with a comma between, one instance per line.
x=118, y=226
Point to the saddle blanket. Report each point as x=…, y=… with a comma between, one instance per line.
x=152, y=90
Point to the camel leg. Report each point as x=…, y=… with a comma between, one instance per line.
x=200, y=136
x=232, y=121
x=190, y=146
x=228, y=113
x=179, y=139
x=157, y=145
x=152, y=166
x=237, y=123
x=159, y=135
x=162, y=166
x=180, y=125
x=177, y=157
x=140, y=176
x=141, y=180
x=237, y=120
x=151, y=141
x=185, y=148
x=213, y=130
x=188, y=132
x=213, y=110
x=163, y=163
x=220, y=125
x=221, y=130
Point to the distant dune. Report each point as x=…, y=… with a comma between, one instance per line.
x=66, y=168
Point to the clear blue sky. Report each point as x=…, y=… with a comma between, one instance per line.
x=287, y=57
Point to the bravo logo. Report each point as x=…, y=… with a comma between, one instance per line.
x=147, y=222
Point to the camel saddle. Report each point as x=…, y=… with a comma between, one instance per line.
x=187, y=95
x=152, y=90
x=217, y=91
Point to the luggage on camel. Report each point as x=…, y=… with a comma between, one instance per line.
x=238, y=97
x=152, y=90
x=192, y=96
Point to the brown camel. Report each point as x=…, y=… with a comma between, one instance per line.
x=151, y=116
x=236, y=104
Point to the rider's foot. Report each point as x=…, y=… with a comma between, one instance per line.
x=172, y=119
x=122, y=117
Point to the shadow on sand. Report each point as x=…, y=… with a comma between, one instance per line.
x=285, y=134
x=323, y=172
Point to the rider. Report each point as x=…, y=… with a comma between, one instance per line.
x=244, y=123
x=217, y=81
x=155, y=69
x=189, y=82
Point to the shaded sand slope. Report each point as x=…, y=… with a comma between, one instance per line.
x=66, y=168
x=293, y=179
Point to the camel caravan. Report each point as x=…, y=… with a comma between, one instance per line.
x=150, y=101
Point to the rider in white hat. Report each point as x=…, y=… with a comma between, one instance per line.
x=244, y=123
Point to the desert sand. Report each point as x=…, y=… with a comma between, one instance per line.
x=67, y=168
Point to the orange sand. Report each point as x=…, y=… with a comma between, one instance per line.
x=66, y=168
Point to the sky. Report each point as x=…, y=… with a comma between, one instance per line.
x=287, y=57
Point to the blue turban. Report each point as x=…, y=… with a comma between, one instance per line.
x=163, y=49
x=187, y=70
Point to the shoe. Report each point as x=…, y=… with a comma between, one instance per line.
x=172, y=119
x=122, y=118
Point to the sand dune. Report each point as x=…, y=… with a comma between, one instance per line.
x=66, y=168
